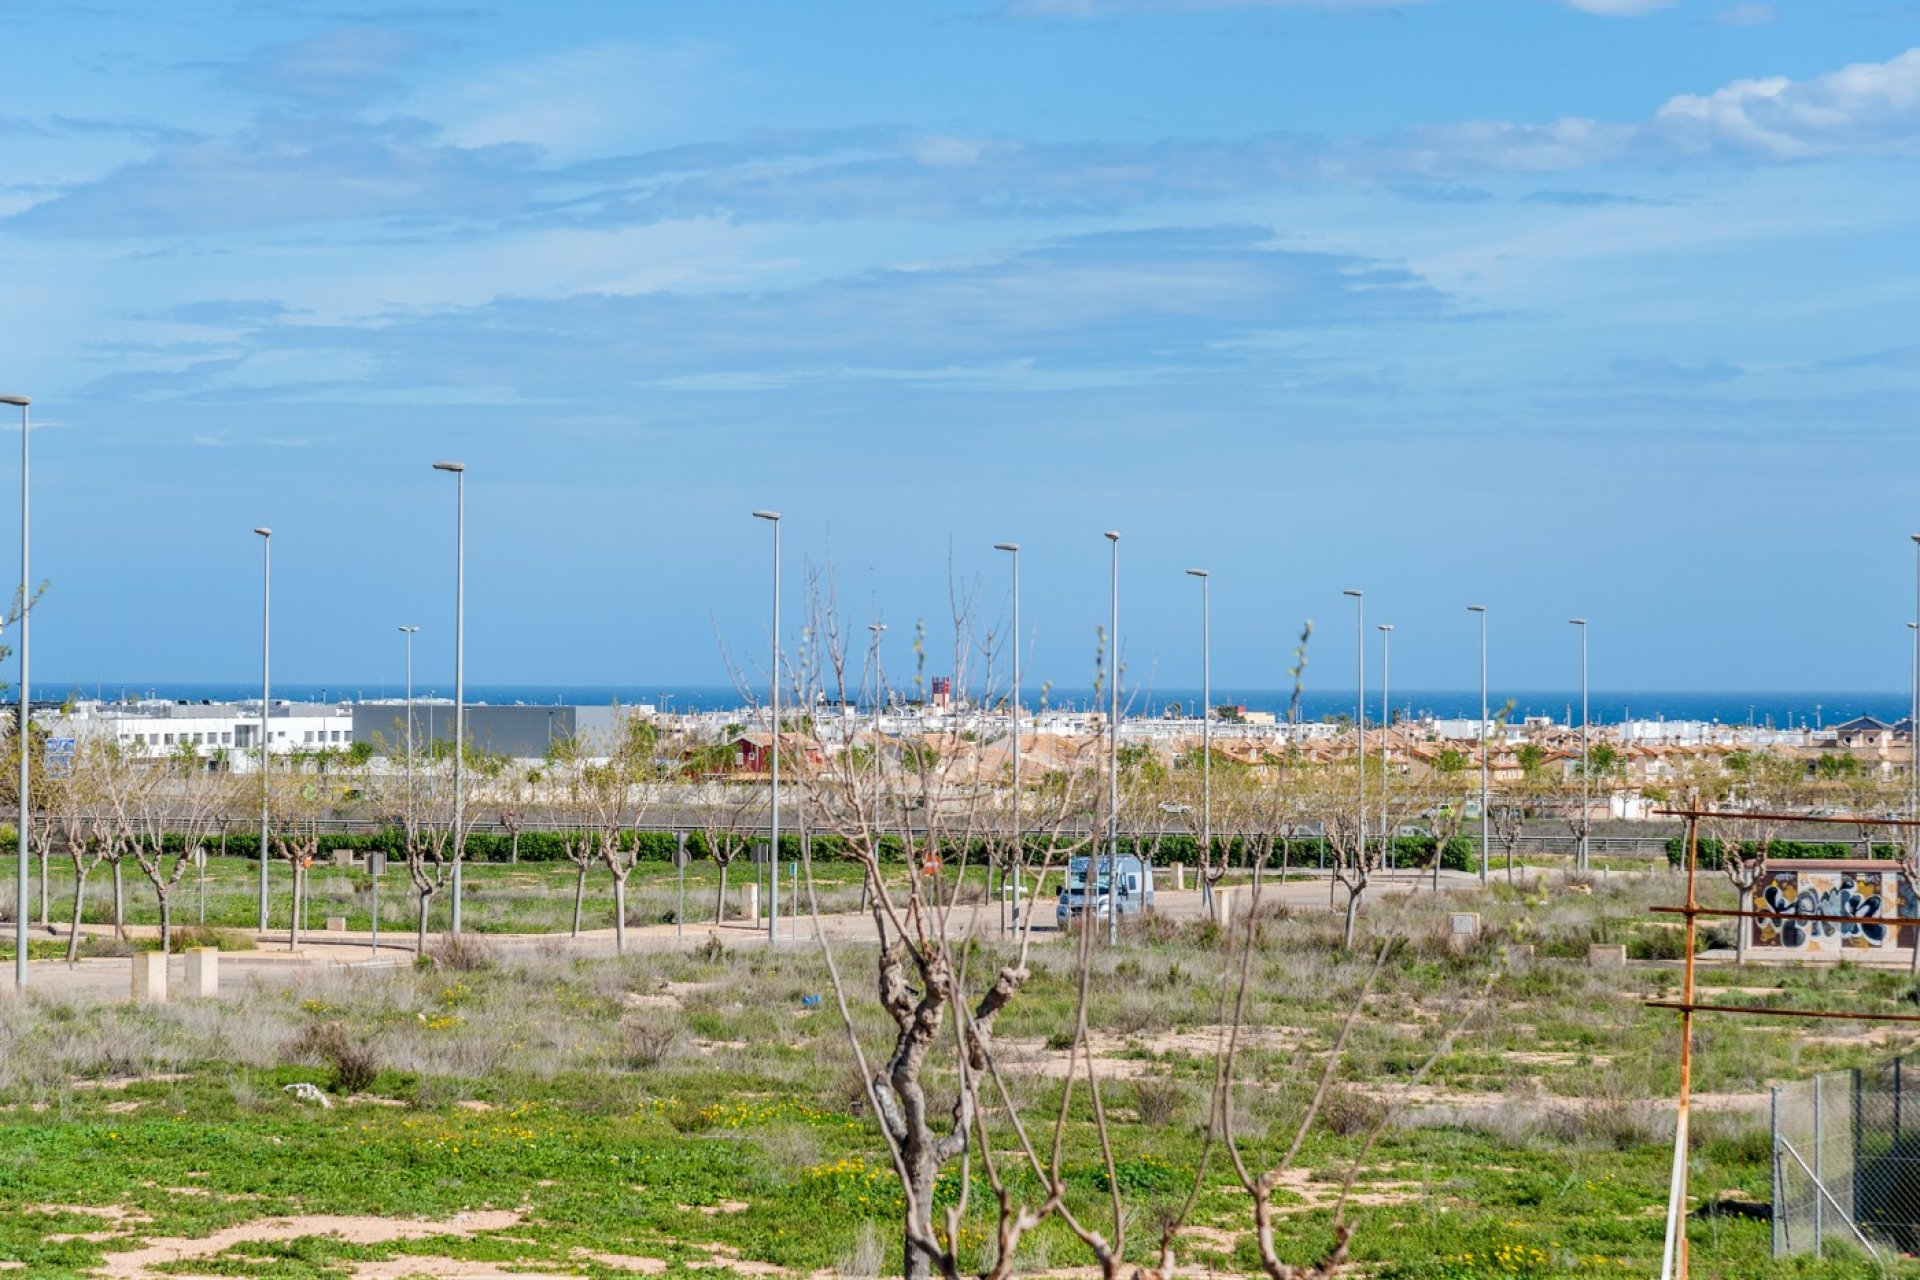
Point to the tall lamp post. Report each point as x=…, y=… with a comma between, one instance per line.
x=25, y=739
x=1586, y=774
x=1386, y=735
x=1018, y=853
x=1206, y=728
x=266, y=704
x=1486, y=849
x=876, y=630
x=1113, y=750
x=1913, y=712
x=409, y=633
x=459, y=472
x=773, y=702
x=1360, y=711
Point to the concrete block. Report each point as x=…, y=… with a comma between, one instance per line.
x=1223, y=907
x=336, y=924
x=203, y=971
x=1519, y=955
x=750, y=900
x=1463, y=929
x=343, y=857
x=1180, y=877
x=1607, y=955
x=149, y=978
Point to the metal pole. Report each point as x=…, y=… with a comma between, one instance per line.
x=1113, y=749
x=1360, y=712
x=1819, y=1173
x=266, y=694
x=1018, y=853
x=459, y=682
x=773, y=702
x=1486, y=848
x=1586, y=773
x=1386, y=740
x=22, y=887
x=1206, y=727
x=1913, y=712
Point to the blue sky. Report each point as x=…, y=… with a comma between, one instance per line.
x=1600, y=307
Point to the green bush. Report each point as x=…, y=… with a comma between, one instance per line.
x=1710, y=850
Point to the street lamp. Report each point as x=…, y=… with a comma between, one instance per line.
x=1586, y=773
x=1113, y=750
x=1206, y=728
x=266, y=705
x=1485, y=848
x=459, y=471
x=1913, y=712
x=1013, y=550
x=1386, y=738
x=1360, y=711
x=26, y=805
x=773, y=701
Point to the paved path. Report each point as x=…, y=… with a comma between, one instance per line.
x=274, y=966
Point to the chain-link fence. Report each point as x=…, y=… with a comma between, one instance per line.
x=1846, y=1161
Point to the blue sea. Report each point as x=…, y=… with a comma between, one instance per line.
x=1608, y=706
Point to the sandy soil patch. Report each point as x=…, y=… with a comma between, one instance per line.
x=623, y=1262
x=724, y=1257
x=123, y=1082
x=138, y=1264
x=423, y=1268
x=1129, y=1057
x=715, y=1210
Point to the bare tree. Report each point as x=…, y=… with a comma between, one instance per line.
x=173, y=801
x=1762, y=785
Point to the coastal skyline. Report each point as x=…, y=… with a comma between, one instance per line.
x=1600, y=308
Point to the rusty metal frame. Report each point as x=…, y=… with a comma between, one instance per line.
x=1673, y=1258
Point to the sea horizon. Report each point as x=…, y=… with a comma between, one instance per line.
x=1774, y=708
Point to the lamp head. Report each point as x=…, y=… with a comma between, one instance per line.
x=1006, y=546
x=1386, y=626
x=1196, y=573
x=455, y=467
x=18, y=402
x=767, y=515
x=1577, y=622
x=264, y=532
x=1476, y=608
x=1354, y=593
x=1112, y=536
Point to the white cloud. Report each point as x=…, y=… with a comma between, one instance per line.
x=1865, y=107
x=1618, y=8
x=1745, y=15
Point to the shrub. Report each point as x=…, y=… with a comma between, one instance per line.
x=353, y=1064
x=1346, y=1111
x=463, y=953
x=1159, y=1102
x=648, y=1046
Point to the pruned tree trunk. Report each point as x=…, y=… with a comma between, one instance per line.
x=79, y=912
x=425, y=897
x=166, y=923
x=720, y=902
x=620, y=913
x=579, y=896
x=1353, y=913
x=119, y=902
x=513, y=847
x=1740, y=925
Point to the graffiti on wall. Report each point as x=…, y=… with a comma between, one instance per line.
x=1868, y=906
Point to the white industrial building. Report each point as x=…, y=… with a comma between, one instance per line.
x=156, y=727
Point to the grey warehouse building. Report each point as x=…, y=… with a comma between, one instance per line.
x=520, y=731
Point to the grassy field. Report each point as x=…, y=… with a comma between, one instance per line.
x=685, y=1109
